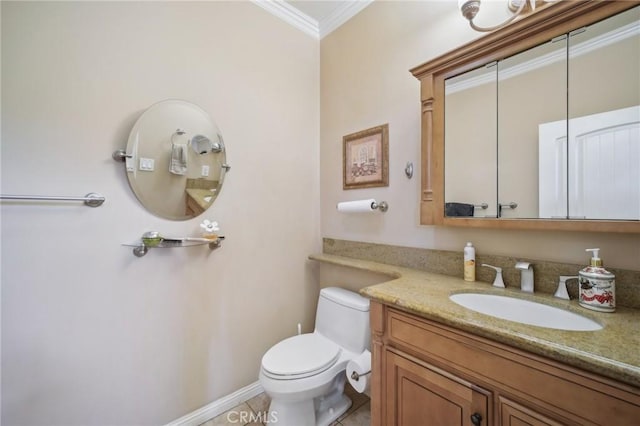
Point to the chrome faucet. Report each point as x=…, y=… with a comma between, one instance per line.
x=561, y=292
x=526, y=276
x=498, y=282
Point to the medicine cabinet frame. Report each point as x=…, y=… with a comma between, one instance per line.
x=545, y=24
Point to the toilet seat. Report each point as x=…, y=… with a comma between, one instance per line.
x=300, y=356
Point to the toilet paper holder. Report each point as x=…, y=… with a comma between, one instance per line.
x=382, y=206
x=362, y=206
x=355, y=376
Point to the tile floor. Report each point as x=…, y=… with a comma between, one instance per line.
x=249, y=413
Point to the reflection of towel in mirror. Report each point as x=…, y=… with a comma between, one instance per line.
x=178, y=162
x=458, y=209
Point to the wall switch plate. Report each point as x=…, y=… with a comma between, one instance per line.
x=147, y=164
x=205, y=170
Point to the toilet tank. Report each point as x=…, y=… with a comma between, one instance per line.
x=343, y=317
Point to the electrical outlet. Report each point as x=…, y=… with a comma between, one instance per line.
x=205, y=170
x=147, y=164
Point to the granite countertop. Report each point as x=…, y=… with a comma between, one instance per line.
x=612, y=352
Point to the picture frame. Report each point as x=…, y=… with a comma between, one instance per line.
x=365, y=158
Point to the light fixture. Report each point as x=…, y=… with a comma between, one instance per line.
x=470, y=8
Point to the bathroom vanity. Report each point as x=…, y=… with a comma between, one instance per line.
x=429, y=373
x=434, y=360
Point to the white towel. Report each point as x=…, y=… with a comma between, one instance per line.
x=178, y=162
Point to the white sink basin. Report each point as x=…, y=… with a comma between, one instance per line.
x=524, y=311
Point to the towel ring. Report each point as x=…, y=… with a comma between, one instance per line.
x=178, y=132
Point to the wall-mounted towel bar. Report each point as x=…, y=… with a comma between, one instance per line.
x=510, y=205
x=91, y=199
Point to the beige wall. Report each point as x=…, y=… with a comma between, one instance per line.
x=92, y=335
x=365, y=82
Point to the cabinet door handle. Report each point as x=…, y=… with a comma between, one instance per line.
x=476, y=419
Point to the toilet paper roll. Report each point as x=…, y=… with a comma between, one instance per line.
x=359, y=206
x=361, y=366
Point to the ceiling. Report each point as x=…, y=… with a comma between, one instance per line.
x=317, y=18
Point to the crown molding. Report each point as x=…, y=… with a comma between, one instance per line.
x=307, y=24
x=290, y=15
x=619, y=34
x=341, y=15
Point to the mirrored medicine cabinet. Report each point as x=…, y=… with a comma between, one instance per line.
x=537, y=125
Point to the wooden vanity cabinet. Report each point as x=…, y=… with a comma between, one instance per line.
x=192, y=207
x=426, y=373
x=423, y=394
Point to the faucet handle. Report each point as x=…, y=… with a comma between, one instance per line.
x=561, y=292
x=498, y=282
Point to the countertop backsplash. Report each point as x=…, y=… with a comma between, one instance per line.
x=445, y=262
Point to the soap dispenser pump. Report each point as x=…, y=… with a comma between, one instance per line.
x=597, y=288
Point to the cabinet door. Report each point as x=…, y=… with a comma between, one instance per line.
x=514, y=414
x=421, y=394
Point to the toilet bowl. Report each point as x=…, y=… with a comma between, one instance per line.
x=305, y=374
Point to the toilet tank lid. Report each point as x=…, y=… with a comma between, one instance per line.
x=346, y=298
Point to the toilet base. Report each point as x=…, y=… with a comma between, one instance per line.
x=334, y=412
x=304, y=414
x=320, y=411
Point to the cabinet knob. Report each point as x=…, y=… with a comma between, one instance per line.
x=476, y=419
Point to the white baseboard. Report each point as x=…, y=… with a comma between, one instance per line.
x=219, y=406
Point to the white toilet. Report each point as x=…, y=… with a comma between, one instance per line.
x=305, y=375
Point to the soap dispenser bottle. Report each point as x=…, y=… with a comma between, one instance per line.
x=597, y=288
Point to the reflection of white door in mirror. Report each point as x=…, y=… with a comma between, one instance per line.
x=599, y=178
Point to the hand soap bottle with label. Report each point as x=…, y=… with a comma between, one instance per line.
x=597, y=288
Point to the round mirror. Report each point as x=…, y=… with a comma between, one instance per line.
x=175, y=160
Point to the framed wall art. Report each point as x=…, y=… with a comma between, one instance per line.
x=365, y=158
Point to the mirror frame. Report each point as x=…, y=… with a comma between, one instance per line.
x=548, y=22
